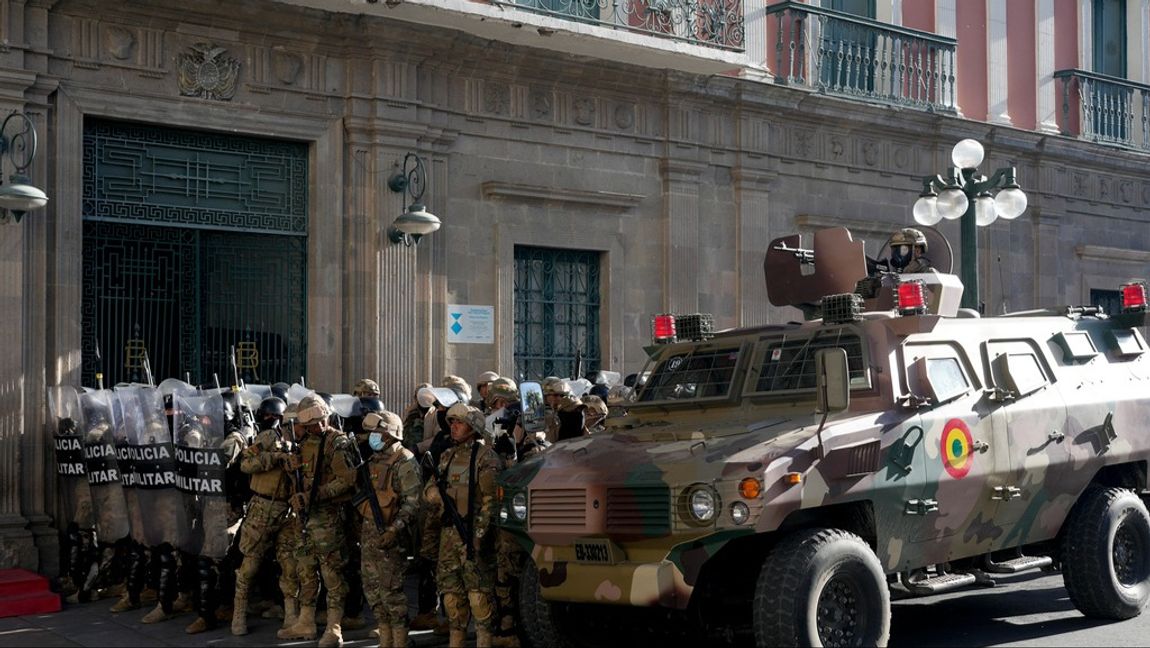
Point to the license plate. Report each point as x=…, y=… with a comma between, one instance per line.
x=599, y=551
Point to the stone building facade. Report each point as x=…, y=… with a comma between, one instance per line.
x=675, y=180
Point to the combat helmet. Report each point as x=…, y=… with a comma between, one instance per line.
x=386, y=422
x=312, y=410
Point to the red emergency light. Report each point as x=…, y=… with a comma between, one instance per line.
x=911, y=299
x=1134, y=297
x=663, y=328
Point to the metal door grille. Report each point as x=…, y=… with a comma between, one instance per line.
x=556, y=311
x=193, y=244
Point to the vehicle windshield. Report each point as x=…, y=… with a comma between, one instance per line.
x=788, y=363
x=693, y=374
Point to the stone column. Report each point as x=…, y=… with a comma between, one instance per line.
x=681, y=210
x=997, y=65
x=752, y=211
x=1047, y=89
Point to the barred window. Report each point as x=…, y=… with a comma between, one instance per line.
x=789, y=363
x=698, y=373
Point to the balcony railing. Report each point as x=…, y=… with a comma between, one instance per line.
x=716, y=23
x=842, y=54
x=1105, y=109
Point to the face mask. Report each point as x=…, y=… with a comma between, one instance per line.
x=375, y=440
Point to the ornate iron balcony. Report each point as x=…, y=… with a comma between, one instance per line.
x=842, y=54
x=716, y=23
x=1105, y=109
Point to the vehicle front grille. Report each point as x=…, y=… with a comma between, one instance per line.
x=642, y=511
x=558, y=509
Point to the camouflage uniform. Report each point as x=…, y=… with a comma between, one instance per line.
x=395, y=483
x=466, y=582
x=325, y=462
x=268, y=523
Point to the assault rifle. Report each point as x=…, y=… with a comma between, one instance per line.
x=297, y=477
x=366, y=490
x=450, y=509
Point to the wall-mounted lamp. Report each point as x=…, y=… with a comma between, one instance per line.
x=415, y=222
x=19, y=196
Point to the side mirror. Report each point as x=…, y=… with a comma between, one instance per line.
x=833, y=381
x=534, y=410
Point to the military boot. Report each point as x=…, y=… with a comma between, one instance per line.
x=424, y=621
x=384, y=635
x=333, y=633
x=303, y=628
x=456, y=638
x=398, y=636
x=482, y=638
x=124, y=604
x=199, y=625
x=353, y=623
x=240, y=614
x=291, y=612
x=505, y=641
x=157, y=615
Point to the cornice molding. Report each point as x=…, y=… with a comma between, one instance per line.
x=513, y=191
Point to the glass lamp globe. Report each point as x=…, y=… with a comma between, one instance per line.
x=984, y=211
x=967, y=154
x=1010, y=203
x=952, y=204
x=926, y=211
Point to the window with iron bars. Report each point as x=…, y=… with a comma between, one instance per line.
x=557, y=306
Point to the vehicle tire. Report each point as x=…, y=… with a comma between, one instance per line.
x=822, y=587
x=1106, y=554
x=542, y=622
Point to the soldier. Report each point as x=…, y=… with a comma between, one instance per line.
x=422, y=401
x=464, y=490
x=386, y=514
x=569, y=417
x=458, y=385
x=554, y=390
x=594, y=413
x=481, y=387
x=362, y=406
x=328, y=476
x=268, y=522
x=102, y=468
x=908, y=249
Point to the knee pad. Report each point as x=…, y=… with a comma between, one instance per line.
x=481, y=607
x=455, y=605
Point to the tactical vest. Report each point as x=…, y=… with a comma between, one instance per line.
x=309, y=454
x=382, y=470
x=271, y=484
x=456, y=473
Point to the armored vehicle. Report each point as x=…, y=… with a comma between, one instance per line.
x=783, y=482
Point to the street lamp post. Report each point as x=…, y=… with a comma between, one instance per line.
x=978, y=200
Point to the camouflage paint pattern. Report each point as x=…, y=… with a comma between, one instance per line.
x=963, y=436
x=395, y=475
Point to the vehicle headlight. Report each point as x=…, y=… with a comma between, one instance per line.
x=701, y=504
x=519, y=506
x=740, y=512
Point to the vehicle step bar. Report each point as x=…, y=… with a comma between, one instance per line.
x=939, y=584
x=1019, y=564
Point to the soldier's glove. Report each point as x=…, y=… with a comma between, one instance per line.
x=293, y=462
x=390, y=536
x=282, y=458
x=298, y=502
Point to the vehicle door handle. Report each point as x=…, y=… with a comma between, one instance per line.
x=1006, y=493
x=980, y=446
x=1056, y=436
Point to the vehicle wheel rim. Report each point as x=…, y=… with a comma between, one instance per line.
x=839, y=619
x=1130, y=563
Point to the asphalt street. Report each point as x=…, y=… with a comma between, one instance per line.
x=1024, y=611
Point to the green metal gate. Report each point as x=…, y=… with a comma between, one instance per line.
x=556, y=311
x=194, y=243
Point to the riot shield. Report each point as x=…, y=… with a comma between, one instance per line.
x=153, y=468
x=201, y=466
x=66, y=426
x=108, y=504
x=121, y=434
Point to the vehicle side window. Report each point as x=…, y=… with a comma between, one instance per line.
x=1015, y=367
x=939, y=372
